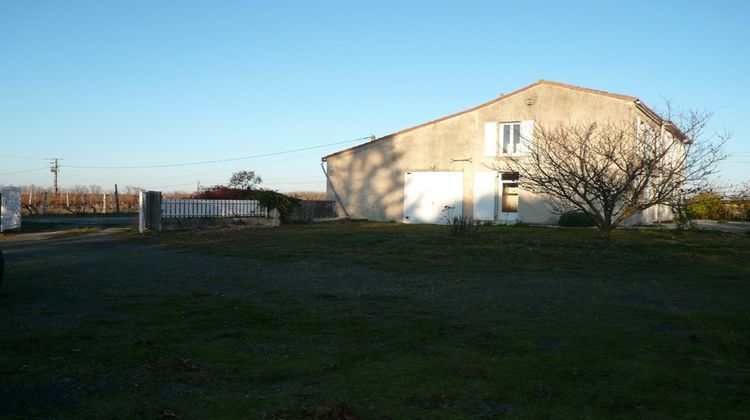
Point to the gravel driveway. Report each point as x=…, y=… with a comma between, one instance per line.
x=65, y=266
x=105, y=324
x=55, y=282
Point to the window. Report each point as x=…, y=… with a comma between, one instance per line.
x=507, y=139
x=510, y=198
x=511, y=138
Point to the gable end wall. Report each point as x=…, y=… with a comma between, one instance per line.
x=370, y=180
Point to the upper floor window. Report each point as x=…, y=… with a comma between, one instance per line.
x=508, y=138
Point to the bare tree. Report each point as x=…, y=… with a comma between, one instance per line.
x=131, y=190
x=613, y=171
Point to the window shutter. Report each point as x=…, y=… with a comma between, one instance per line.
x=490, y=139
x=484, y=195
x=527, y=136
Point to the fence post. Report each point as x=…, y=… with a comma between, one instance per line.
x=149, y=214
x=153, y=210
x=141, y=211
x=117, y=201
x=275, y=217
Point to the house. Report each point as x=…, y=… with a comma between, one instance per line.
x=412, y=175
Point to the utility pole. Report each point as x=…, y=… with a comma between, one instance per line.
x=54, y=167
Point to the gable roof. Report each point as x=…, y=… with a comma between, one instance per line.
x=627, y=98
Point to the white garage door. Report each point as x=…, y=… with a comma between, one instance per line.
x=426, y=194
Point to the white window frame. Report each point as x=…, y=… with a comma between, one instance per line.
x=495, y=138
x=514, y=129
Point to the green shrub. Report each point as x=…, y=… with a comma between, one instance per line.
x=274, y=200
x=706, y=205
x=576, y=219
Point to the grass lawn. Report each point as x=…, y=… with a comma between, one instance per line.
x=380, y=320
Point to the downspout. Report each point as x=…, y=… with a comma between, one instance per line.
x=330, y=184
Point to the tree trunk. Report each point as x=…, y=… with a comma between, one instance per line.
x=604, y=232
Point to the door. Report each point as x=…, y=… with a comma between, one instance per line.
x=432, y=197
x=508, y=192
x=496, y=197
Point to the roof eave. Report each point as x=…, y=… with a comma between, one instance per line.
x=540, y=82
x=389, y=136
x=660, y=120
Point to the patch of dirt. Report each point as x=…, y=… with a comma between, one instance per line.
x=330, y=411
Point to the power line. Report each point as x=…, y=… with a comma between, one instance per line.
x=22, y=157
x=283, y=159
x=322, y=181
x=221, y=160
x=23, y=172
x=193, y=174
x=174, y=185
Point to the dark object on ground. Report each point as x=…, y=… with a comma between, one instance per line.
x=334, y=411
x=307, y=210
x=576, y=219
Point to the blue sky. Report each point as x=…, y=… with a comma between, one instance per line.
x=137, y=83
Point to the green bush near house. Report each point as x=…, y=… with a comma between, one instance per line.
x=274, y=200
x=576, y=219
x=707, y=205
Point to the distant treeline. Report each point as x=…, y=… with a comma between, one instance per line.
x=88, y=199
x=712, y=205
x=82, y=199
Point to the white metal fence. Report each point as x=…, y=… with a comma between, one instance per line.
x=212, y=208
x=10, y=208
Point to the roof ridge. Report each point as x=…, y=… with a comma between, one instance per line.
x=498, y=99
x=589, y=90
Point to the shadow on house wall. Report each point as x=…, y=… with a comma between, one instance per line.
x=369, y=184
